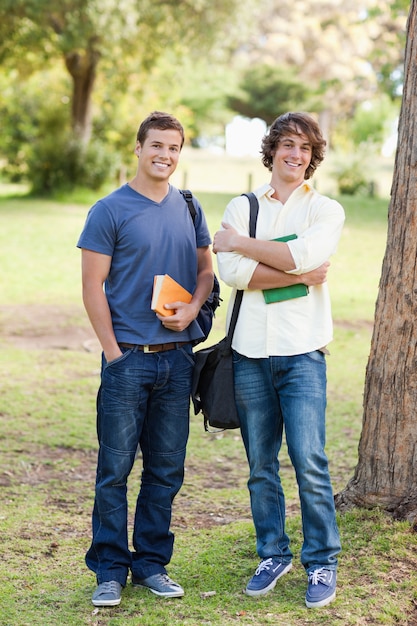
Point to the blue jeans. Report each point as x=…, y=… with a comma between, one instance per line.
x=273, y=393
x=144, y=400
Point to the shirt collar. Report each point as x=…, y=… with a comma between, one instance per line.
x=267, y=190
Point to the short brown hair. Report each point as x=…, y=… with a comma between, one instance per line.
x=161, y=121
x=294, y=124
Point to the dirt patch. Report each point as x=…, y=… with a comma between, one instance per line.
x=41, y=327
x=55, y=471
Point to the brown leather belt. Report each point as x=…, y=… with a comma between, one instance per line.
x=158, y=347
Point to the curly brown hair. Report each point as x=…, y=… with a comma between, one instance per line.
x=161, y=121
x=294, y=124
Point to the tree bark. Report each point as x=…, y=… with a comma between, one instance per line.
x=386, y=474
x=82, y=68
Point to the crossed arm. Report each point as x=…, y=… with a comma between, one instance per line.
x=274, y=260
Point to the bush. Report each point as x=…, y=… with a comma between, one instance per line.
x=62, y=163
x=350, y=180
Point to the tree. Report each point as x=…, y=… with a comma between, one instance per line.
x=388, y=36
x=109, y=33
x=268, y=91
x=347, y=52
x=386, y=474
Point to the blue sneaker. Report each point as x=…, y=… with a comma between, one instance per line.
x=321, y=588
x=107, y=594
x=266, y=576
x=161, y=585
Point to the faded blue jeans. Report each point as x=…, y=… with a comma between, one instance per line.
x=287, y=392
x=144, y=399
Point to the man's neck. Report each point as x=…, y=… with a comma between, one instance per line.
x=154, y=190
x=282, y=189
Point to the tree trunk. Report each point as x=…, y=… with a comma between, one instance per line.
x=386, y=474
x=82, y=67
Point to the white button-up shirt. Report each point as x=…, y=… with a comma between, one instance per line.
x=293, y=326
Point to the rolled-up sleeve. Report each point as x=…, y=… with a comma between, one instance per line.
x=234, y=269
x=319, y=241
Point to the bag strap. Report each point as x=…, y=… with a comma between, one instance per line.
x=253, y=217
x=188, y=197
x=254, y=209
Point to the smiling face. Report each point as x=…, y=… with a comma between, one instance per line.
x=292, y=158
x=158, y=155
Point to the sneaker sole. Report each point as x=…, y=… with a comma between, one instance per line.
x=162, y=594
x=262, y=592
x=106, y=602
x=317, y=605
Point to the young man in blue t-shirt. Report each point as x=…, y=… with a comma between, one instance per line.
x=142, y=229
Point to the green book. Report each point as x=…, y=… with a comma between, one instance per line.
x=278, y=294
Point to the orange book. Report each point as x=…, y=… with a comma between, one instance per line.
x=165, y=291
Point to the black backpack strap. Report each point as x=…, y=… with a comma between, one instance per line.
x=188, y=196
x=253, y=203
x=254, y=209
x=253, y=217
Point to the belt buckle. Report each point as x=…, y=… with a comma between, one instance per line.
x=146, y=348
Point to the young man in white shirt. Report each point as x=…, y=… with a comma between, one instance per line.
x=279, y=351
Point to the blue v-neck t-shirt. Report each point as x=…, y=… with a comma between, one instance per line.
x=145, y=238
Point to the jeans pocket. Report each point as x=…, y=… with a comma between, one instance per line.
x=316, y=355
x=119, y=359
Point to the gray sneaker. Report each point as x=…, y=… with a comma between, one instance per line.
x=161, y=585
x=107, y=594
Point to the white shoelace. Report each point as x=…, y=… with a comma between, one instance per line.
x=263, y=565
x=320, y=575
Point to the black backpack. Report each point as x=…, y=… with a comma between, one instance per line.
x=207, y=311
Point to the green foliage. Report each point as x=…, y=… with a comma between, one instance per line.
x=205, y=100
x=118, y=36
x=146, y=55
x=372, y=121
x=28, y=116
x=366, y=130
x=351, y=179
x=268, y=91
x=61, y=162
x=38, y=145
x=117, y=43
x=387, y=57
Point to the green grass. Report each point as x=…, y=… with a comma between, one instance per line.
x=48, y=453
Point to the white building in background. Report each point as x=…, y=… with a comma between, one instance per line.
x=244, y=136
x=390, y=144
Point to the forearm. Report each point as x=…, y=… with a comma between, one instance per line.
x=275, y=254
x=203, y=289
x=98, y=311
x=265, y=277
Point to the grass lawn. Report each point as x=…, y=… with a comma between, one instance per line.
x=49, y=364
